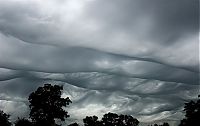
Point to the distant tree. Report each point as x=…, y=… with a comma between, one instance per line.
x=46, y=105
x=127, y=120
x=73, y=124
x=91, y=121
x=23, y=122
x=192, y=116
x=112, y=119
x=165, y=124
x=4, y=119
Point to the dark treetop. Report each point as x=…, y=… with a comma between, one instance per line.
x=4, y=119
x=46, y=105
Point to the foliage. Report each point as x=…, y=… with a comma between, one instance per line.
x=46, y=105
x=192, y=116
x=111, y=119
x=91, y=121
x=23, y=122
x=4, y=119
x=164, y=124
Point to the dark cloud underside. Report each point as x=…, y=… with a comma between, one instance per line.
x=138, y=57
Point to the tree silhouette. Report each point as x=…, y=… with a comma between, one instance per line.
x=127, y=120
x=91, y=121
x=111, y=119
x=46, y=105
x=4, y=119
x=23, y=122
x=73, y=124
x=164, y=124
x=192, y=116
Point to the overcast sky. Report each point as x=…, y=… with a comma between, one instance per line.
x=137, y=57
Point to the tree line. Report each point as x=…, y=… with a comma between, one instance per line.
x=46, y=106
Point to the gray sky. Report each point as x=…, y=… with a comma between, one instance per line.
x=138, y=57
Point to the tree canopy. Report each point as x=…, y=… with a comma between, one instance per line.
x=4, y=119
x=46, y=105
x=23, y=122
x=111, y=119
x=91, y=121
x=164, y=124
x=192, y=113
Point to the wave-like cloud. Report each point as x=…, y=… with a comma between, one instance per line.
x=134, y=57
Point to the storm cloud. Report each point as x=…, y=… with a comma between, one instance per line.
x=137, y=57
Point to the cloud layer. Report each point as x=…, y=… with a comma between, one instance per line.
x=135, y=57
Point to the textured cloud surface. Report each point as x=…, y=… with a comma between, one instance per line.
x=138, y=57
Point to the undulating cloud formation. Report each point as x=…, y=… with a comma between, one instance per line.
x=138, y=57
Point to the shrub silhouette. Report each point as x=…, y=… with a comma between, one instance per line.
x=192, y=116
x=4, y=119
x=46, y=105
x=23, y=122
